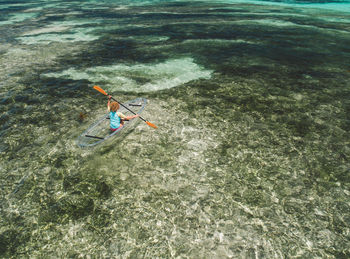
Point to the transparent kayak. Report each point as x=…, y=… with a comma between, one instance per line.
x=99, y=131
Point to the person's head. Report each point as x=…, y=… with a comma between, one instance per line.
x=114, y=106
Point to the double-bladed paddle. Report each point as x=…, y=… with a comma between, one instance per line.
x=104, y=92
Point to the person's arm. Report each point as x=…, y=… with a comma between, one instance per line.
x=132, y=117
x=123, y=117
x=108, y=103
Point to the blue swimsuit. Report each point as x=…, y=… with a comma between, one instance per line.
x=114, y=120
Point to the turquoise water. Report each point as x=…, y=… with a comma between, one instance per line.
x=251, y=155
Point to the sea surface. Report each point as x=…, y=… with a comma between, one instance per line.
x=251, y=158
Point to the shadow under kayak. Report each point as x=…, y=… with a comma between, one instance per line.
x=99, y=131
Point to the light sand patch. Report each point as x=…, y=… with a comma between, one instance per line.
x=76, y=35
x=48, y=29
x=19, y=17
x=140, y=77
x=121, y=8
x=271, y=22
x=221, y=41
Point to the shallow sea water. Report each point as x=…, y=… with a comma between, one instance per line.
x=251, y=155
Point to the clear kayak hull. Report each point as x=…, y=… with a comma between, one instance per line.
x=100, y=131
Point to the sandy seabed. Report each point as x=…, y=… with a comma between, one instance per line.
x=251, y=155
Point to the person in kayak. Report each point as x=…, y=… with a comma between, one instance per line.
x=117, y=118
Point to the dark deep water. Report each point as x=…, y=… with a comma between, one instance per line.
x=251, y=155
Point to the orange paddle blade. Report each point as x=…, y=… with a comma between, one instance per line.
x=151, y=125
x=96, y=87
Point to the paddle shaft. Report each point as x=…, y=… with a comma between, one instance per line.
x=127, y=108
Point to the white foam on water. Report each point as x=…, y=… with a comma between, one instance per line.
x=156, y=77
